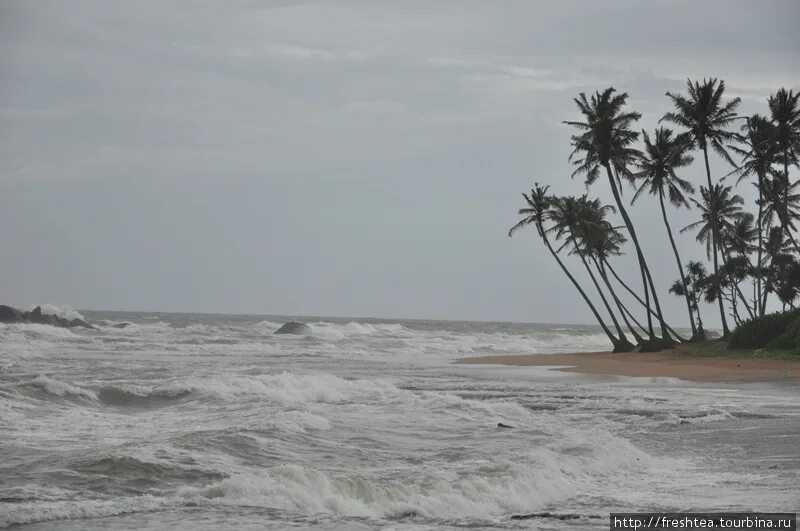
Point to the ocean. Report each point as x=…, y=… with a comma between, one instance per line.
x=206, y=422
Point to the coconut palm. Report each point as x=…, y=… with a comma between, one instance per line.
x=784, y=108
x=600, y=249
x=736, y=240
x=707, y=119
x=580, y=221
x=758, y=155
x=536, y=213
x=656, y=170
x=782, y=200
x=604, y=142
x=778, y=258
x=718, y=207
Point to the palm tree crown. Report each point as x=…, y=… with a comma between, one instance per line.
x=605, y=137
x=657, y=165
x=717, y=206
x=704, y=114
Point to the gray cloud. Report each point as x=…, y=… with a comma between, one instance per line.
x=341, y=158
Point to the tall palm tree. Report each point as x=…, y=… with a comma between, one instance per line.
x=784, y=108
x=718, y=207
x=580, y=221
x=656, y=169
x=537, y=213
x=758, y=156
x=604, y=141
x=707, y=119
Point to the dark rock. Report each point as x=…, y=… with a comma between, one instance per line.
x=501, y=425
x=35, y=314
x=10, y=315
x=294, y=327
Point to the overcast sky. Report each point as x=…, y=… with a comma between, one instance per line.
x=335, y=158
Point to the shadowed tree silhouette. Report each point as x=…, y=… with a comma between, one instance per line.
x=784, y=108
x=537, y=213
x=717, y=207
x=604, y=142
x=656, y=169
x=707, y=118
x=581, y=221
x=692, y=285
x=782, y=200
x=758, y=156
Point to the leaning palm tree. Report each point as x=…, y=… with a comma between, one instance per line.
x=758, y=155
x=600, y=248
x=656, y=169
x=718, y=207
x=707, y=119
x=579, y=221
x=604, y=142
x=537, y=213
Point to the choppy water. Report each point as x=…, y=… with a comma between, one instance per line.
x=209, y=422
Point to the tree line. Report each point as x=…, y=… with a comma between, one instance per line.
x=752, y=255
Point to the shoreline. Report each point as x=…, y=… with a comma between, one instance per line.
x=704, y=362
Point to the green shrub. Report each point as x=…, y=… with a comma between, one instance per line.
x=774, y=331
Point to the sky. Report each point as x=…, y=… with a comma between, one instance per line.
x=337, y=158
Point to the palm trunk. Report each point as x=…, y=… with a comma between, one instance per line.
x=614, y=341
x=680, y=265
x=640, y=256
x=639, y=299
x=620, y=332
x=725, y=331
x=620, y=307
x=760, y=242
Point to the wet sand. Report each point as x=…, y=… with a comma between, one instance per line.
x=680, y=362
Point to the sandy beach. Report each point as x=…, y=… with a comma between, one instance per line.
x=681, y=362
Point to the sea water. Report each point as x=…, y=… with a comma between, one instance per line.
x=188, y=421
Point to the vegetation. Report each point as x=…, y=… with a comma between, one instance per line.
x=776, y=331
x=754, y=255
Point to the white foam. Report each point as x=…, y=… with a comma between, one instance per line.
x=63, y=311
x=19, y=513
x=59, y=388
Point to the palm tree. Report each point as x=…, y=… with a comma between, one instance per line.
x=758, y=156
x=580, y=221
x=784, y=107
x=782, y=200
x=717, y=208
x=692, y=285
x=778, y=251
x=657, y=165
x=604, y=141
x=707, y=119
x=736, y=239
x=600, y=249
x=537, y=213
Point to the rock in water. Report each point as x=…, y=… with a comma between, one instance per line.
x=10, y=315
x=294, y=327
